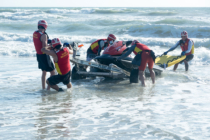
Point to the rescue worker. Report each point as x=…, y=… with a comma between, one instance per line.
x=40, y=39
x=96, y=47
x=145, y=56
x=62, y=64
x=187, y=46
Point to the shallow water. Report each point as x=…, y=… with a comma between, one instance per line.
x=101, y=109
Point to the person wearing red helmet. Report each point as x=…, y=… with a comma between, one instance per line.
x=100, y=44
x=62, y=64
x=144, y=56
x=187, y=46
x=40, y=39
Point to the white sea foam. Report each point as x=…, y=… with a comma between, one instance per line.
x=22, y=45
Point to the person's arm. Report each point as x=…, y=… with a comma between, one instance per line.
x=70, y=49
x=127, y=43
x=189, y=46
x=172, y=48
x=44, y=40
x=127, y=53
x=52, y=53
x=101, y=45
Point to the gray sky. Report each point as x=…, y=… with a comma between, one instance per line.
x=105, y=3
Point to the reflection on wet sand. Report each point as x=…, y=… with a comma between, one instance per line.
x=96, y=108
x=52, y=115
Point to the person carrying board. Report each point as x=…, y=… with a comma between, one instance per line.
x=187, y=46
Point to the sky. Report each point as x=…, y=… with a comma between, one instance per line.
x=105, y=3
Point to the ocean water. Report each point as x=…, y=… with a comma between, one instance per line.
x=176, y=107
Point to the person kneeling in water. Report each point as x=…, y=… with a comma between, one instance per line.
x=62, y=64
x=146, y=57
x=187, y=46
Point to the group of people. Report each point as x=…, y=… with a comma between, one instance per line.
x=60, y=54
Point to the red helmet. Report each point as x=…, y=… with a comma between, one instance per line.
x=42, y=23
x=134, y=42
x=56, y=42
x=184, y=33
x=111, y=37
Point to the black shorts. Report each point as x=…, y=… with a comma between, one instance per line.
x=55, y=79
x=90, y=55
x=44, y=62
x=188, y=58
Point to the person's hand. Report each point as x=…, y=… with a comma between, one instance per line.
x=70, y=47
x=165, y=53
x=183, y=53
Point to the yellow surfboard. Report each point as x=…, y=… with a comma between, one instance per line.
x=165, y=61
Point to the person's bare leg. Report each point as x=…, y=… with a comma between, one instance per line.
x=55, y=87
x=44, y=73
x=175, y=66
x=51, y=74
x=152, y=75
x=69, y=85
x=186, y=65
x=142, y=78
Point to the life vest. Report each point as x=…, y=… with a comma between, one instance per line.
x=95, y=45
x=139, y=48
x=37, y=41
x=185, y=47
x=63, y=64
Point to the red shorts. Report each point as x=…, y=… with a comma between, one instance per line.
x=146, y=58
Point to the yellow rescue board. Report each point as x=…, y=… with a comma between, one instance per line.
x=165, y=61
